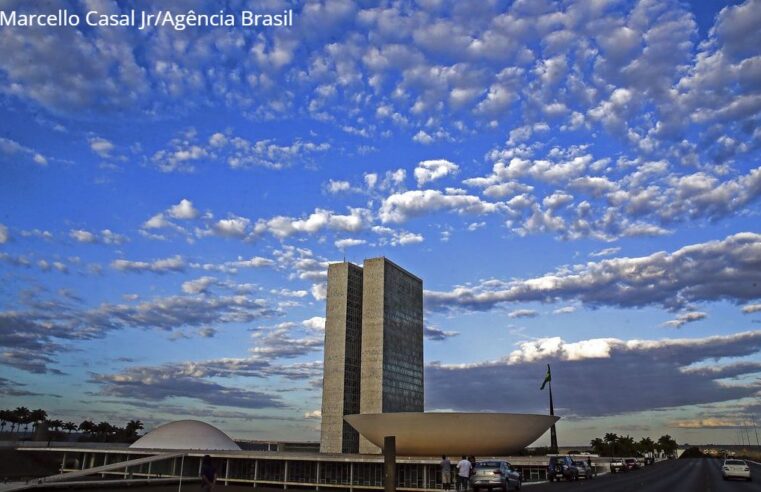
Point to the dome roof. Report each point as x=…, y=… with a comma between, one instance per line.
x=186, y=434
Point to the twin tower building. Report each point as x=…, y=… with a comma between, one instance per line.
x=373, y=349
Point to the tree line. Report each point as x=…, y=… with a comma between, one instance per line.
x=90, y=431
x=614, y=445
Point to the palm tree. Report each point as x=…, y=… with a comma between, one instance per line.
x=13, y=419
x=55, y=424
x=626, y=445
x=132, y=427
x=667, y=444
x=646, y=445
x=612, y=440
x=598, y=446
x=23, y=417
x=37, y=416
x=87, y=426
x=4, y=414
x=104, y=429
x=70, y=426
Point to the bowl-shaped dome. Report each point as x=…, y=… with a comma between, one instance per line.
x=186, y=434
x=434, y=434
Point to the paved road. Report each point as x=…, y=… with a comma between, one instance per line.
x=689, y=475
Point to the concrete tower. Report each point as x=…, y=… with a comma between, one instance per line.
x=392, y=342
x=343, y=338
x=373, y=348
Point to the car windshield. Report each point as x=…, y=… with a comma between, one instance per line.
x=735, y=462
x=488, y=464
x=579, y=463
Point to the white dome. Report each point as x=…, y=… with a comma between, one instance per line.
x=186, y=434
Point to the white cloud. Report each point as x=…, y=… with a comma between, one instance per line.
x=183, y=210
x=319, y=291
x=290, y=293
x=338, y=186
x=3, y=234
x=101, y=146
x=164, y=265
x=11, y=147
x=106, y=236
x=232, y=227
x=605, y=252
x=282, y=226
x=557, y=348
x=751, y=308
x=684, y=318
x=404, y=238
x=400, y=207
x=82, y=236
x=199, y=285
x=348, y=243
x=431, y=170
x=523, y=313
x=158, y=221
x=423, y=138
x=564, y=310
x=371, y=179
x=316, y=323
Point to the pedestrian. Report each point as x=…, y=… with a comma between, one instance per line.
x=208, y=474
x=446, y=472
x=463, y=474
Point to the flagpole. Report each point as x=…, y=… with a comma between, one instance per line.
x=553, y=432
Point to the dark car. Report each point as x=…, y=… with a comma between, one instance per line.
x=631, y=463
x=562, y=467
x=494, y=474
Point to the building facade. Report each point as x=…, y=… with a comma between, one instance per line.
x=343, y=339
x=392, y=342
x=373, y=348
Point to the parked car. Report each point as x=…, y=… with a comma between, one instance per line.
x=562, y=467
x=649, y=460
x=735, y=469
x=631, y=463
x=585, y=471
x=617, y=465
x=495, y=475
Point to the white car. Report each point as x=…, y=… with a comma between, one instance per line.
x=735, y=469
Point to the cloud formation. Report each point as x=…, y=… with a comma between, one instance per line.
x=727, y=269
x=662, y=378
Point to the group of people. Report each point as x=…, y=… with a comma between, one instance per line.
x=465, y=468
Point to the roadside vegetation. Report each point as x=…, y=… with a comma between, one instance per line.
x=22, y=423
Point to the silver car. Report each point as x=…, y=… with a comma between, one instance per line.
x=585, y=471
x=495, y=474
x=735, y=469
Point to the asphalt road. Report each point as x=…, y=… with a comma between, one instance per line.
x=688, y=475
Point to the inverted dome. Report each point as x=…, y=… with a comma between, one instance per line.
x=186, y=434
x=434, y=434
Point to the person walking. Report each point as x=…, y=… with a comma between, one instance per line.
x=463, y=474
x=446, y=472
x=208, y=474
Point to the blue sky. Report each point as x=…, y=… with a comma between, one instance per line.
x=576, y=182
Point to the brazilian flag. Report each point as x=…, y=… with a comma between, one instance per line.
x=547, y=378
